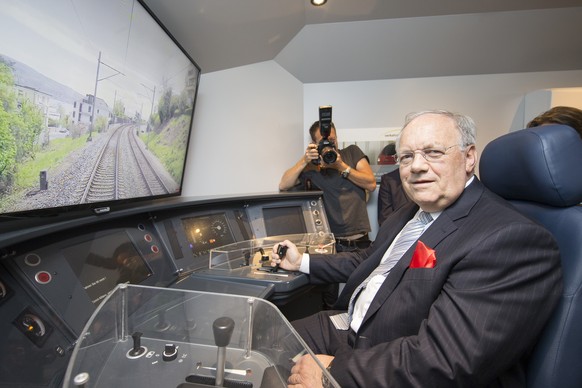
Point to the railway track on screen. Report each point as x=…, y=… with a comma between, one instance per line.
x=123, y=169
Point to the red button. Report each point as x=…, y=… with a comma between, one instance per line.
x=155, y=249
x=43, y=277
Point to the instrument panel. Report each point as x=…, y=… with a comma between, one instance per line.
x=51, y=284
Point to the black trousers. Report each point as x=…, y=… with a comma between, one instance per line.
x=320, y=334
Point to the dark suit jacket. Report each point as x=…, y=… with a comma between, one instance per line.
x=467, y=322
x=391, y=195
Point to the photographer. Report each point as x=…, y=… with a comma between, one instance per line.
x=344, y=183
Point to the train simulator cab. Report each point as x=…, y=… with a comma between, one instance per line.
x=127, y=262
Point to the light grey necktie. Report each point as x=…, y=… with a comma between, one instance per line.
x=410, y=233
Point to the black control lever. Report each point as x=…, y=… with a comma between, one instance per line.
x=281, y=251
x=247, y=259
x=264, y=257
x=162, y=324
x=137, y=349
x=222, y=328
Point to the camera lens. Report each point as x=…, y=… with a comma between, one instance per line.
x=329, y=156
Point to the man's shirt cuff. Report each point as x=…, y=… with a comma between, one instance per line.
x=304, y=267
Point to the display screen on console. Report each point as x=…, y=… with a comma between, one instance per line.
x=284, y=220
x=207, y=232
x=102, y=263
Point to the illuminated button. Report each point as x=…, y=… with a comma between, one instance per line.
x=316, y=212
x=32, y=260
x=318, y=222
x=43, y=277
x=147, y=237
x=155, y=249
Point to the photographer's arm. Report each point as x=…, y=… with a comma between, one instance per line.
x=361, y=176
x=291, y=176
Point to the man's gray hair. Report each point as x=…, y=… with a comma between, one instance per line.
x=465, y=125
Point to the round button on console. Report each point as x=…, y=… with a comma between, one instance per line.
x=32, y=260
x=43, y=277
x=170, y=352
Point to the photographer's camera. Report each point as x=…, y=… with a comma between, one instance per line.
x=326, y=148
x=327, y=151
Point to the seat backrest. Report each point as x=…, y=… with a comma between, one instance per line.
x=538, y=171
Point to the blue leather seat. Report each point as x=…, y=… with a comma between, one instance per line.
x=538, y=171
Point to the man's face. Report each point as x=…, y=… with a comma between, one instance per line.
x=435, y=185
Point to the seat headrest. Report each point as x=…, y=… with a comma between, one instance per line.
x=540, y=164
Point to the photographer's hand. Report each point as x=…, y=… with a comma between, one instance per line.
x=290, y=178
x=311, y=153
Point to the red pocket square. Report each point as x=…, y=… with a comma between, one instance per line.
x=423, y=257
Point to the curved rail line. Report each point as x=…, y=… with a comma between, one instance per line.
x=103, y=180
x=122, y=170
x=153, y=181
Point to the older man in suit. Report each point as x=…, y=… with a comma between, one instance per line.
x=465, y=302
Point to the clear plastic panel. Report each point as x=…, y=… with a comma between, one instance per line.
x=255, y=252
x=158, y=337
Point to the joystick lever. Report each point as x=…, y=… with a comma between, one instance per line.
x=264, y=257
x=137, y=349
x=281, y=251
x=222, y=328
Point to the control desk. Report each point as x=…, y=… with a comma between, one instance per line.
x=54, y=274
x=185, y=339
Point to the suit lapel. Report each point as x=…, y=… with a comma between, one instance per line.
x=443, y=226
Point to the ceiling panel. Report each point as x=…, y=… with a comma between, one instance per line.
x=348, y=40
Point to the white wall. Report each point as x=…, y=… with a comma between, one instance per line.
x=493, y=101
x=542, y=100
x=248, y=125
x=567, y=97
x=251, y=122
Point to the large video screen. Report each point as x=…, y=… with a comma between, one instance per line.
x=102, y=263
x=96, y=105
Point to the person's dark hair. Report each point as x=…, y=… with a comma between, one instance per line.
x=565, y=115
x=390, y=149
x=314, y=127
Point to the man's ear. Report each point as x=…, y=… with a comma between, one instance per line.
x=470, y=158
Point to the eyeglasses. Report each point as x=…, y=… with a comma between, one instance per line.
x=429, y=154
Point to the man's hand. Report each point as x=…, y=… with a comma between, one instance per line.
x=292, y=259
x=306, y=373
x=311, y=153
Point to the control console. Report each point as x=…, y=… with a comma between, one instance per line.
x=207, y=340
